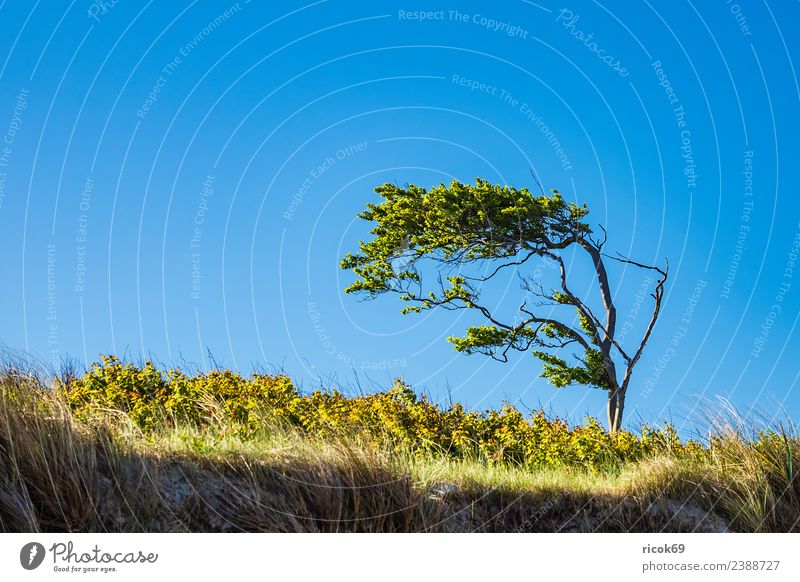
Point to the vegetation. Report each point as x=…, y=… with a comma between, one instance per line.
x=502, y=228
x=396, y=418
x=131, y=448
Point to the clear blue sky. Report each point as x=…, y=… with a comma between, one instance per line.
x=181, y=178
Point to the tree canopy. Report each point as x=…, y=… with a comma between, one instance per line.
x=501, y=227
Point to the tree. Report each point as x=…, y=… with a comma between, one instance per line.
x=498, y=228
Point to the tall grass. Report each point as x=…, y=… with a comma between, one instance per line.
x=104, y=472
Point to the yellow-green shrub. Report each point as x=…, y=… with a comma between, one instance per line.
x=396, y=417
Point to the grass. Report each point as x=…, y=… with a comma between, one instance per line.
x=61, y=473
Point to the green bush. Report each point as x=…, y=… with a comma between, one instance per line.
x=397, y=417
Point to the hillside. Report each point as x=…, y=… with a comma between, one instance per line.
x=133, y=448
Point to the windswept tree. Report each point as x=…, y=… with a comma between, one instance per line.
x=447, y=229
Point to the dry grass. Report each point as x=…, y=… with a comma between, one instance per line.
x=58, y=474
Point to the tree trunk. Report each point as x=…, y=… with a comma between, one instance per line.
x=616, y=406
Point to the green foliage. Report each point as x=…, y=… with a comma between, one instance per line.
x=152, y=398
x=591, y=372
x=395, y=418
x=487, y=339
x=458, y=222
x=453, y=226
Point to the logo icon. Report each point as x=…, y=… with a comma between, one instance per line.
x=31, y=555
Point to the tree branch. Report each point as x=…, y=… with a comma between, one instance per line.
x=658, y=294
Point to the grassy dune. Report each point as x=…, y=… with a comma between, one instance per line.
x=63, y=469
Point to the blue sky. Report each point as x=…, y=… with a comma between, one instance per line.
x=181, y=179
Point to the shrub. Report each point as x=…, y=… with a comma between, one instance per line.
x=397, y=417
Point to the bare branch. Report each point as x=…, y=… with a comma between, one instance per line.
x=596, y=324
x=658, y=295
x=598, y=242
x=623, y=259
x=538, y=182
x=487, y=277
